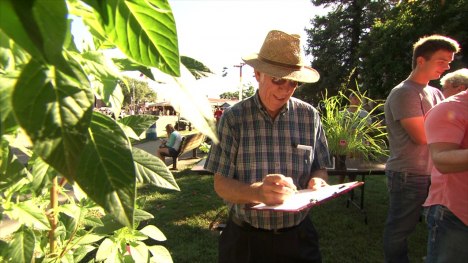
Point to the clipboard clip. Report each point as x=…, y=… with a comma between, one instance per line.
x=313, y=201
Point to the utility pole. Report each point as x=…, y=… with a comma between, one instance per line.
x=240, y=85
x=133, y=98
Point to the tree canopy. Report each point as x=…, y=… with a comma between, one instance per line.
x=142, y=91
x=246, y=92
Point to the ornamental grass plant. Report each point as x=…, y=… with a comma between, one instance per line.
x=347, y=132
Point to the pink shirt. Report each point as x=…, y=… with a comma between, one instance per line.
x=448, y=122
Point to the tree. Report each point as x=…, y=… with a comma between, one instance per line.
x=387, y=51
x=47, y=89
x=142, y=91
x=247, y=91
x=334, y=40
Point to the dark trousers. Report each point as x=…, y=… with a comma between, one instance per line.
x=249, y=244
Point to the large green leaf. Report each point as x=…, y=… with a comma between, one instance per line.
x=80, y=9
x=125, y=64
x=191, y=103
x=53, y=25
x=29, y=214
x=106, y=74
x=58, y=133
x=7, y=60
x=11, y=169
x=21, y=247
x=139, y=123
x=150, y=169
x=198, y=69
x=18, y=23
x=144, y=30
x=7, y=83
x=106, y=171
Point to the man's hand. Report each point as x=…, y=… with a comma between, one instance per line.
x=316, y=183
x=275, y=189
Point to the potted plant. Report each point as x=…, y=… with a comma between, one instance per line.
x=348, y=132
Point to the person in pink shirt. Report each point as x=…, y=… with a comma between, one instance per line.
x=446, y=207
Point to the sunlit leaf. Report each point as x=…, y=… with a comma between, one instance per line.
x=7, y=60
x=29, y=214
x=81, y=252
x=128, y=131
x=153, y=232
x=187, y=99
x=92, y=221
x=105, y=75
x=21, y=247
x=139, y=251
x=7, y=84
x=160, y=254
x=125, y=64
x=58, y=133
x=42, y=175
x=106, y=170
x=89, y=239
x=150, y=169
x=198, y=69
x=11, y=169
x=109, y=225
x=141, y=215
x=144, y=30
x=106, y=249
x=139, y=123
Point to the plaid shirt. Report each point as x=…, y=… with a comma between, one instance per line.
x=253, y=145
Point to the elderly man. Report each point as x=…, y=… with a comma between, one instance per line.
x=454, y=82
x=258, y=161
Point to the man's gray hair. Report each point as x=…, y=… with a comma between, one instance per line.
x=459, y=77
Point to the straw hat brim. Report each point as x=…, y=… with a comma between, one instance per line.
x=305, y=74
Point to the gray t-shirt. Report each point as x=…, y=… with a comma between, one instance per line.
x=408, y=99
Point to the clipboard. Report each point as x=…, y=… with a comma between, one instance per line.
x=307, y=198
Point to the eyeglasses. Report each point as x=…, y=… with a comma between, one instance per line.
x=280, y=81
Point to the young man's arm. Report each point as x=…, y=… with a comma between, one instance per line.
x=415, y=128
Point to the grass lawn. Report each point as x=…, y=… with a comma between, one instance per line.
x=188, y=217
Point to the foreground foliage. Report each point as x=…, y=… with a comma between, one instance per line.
x=47, y=91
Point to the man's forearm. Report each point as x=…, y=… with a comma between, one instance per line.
x=235, y=191
x=451, y=161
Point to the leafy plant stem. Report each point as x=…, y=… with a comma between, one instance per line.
x=52, y=215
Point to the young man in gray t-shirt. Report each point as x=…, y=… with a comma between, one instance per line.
x=409, y=166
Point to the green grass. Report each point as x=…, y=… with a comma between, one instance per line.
x=185, y=218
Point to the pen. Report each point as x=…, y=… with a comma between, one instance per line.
x=341, y=187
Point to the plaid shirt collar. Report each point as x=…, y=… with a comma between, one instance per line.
x=262, y=108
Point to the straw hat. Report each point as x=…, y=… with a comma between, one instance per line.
x=281, y=56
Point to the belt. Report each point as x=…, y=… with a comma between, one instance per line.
x=248, y=227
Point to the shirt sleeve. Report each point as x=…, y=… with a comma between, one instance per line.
x=222, y=156
x=406, y=103
x=172, y=140
x=444, y=123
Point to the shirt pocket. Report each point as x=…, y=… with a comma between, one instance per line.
x=301, y=162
